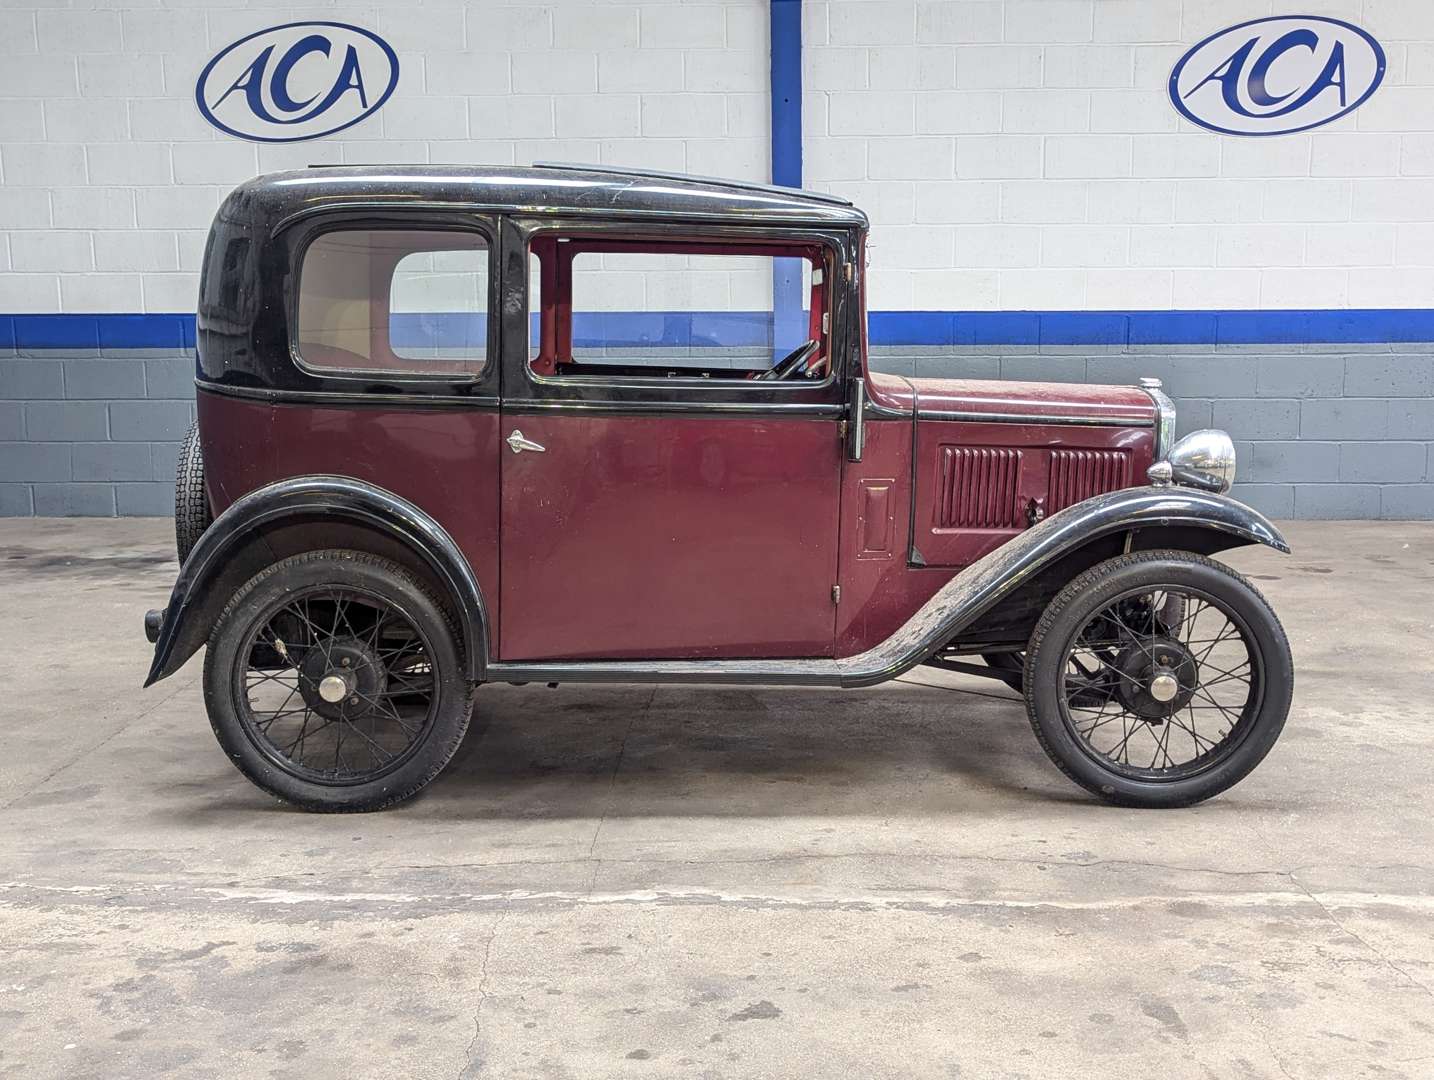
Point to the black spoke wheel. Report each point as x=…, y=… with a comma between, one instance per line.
x=333, y=680
x=1158, y=679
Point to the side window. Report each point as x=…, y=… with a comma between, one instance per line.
x=664, y=309
x=410, y=302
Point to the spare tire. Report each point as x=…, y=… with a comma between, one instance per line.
x=191, y=505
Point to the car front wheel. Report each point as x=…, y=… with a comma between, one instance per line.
x=1158, y=679
x=334, y=681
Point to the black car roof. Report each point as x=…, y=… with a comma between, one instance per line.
x=584, y=190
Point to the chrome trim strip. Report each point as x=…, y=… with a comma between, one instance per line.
x=1094, y=420
x=1165, y=424
x=719, y=408
x=690, y=178
x=884, y=412
x=349, y=397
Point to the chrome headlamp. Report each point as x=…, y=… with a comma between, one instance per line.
x=1203, y=459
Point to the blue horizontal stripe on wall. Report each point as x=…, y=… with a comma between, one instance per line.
x=971, y=328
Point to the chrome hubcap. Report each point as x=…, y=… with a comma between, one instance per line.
x=1164, y=687
x=333, y=688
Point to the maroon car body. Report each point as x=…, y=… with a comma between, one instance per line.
x=831, y=525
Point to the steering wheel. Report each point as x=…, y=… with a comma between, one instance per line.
x=793, y=362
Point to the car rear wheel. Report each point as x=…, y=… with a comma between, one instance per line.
x=191, y=505
x=1158, y=679
x=334, y=681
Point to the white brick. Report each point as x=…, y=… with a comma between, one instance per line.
x=23, y=121
x=499, y=29
x=872, y=113
x=1259, y=245
x=1399, y=20
x=436, y=30
x=836, y=69
x=1085, y=245
x=510, y=117
x=1308, y=199
x=1042, y=111
x=543, y=73
x=1396, y=108
x=708, y=70
x=170, y=292
x=954, y=290
x=1090, y=156
x=1137, y=20
x=914, y=247
x=959, y=23
x=602, y=115
x=889, y=202
x=998, y=67
x=24, y=294
x=24, y=208
x=652, y=69
x=17, y=31
x=130, y=75
x=1086, y=67
x=890, y=290
x=872, y=22
x=1176, y=155
x=167, y=31
x=228, y=163
x=998, y=157
x=1172, y=245
x=997, y=246
x=1402, y=287
x=1043, y=201
x=925, y=157
x=1351, y=245
x=65, y=32
x=530, y=150
x=1288, y=155
x=63, y=252
x=1202, y=18
x=78, y=120
x=38, y=76
x=814, y=115
x=42, y=164
x=136, y=249
x=683, y=114
x=92, y=208
x=682, y=26
x=165, y=120
x=415, y=118
x=1042, y=290
x=1153, y=64
x=177, y=207
x=1134, y=111
x=1416, y=155
x=749, y=115
x=1116, y=289
x=129, y=163
x=467, y=73
x=745, y=159
x=282, y=157
x=1208, y=201
x=600, y=27
x=959, y=112
x=101, y=292
x=666, y=154
x=958, y=201
x=835, y=159
x=1392, y=200
x=926, y=67
x=385, y=151
x=1131, y=201
x=470, y=152
x=747, y=27
x=1216, y=289
x=1049, y=20
x=1303, y=288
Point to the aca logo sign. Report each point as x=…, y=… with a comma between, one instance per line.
x=1277, y=75
x=297, y=81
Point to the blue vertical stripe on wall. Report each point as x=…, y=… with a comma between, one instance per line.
x=786, y=95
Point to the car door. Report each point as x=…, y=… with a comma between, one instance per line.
x=657, y=502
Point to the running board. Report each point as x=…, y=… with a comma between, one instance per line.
x=820, y=672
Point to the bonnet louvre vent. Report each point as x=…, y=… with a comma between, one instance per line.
x=1077, y=475
x=978, y=488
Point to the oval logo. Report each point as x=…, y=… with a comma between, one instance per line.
x=1277, y=75
x=297, y=81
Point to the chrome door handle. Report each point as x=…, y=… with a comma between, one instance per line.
x=518, y=444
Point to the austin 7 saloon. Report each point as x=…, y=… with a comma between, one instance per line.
x=566, y=424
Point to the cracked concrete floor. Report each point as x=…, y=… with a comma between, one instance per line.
x=617, y=882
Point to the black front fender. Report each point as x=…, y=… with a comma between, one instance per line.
x=982, y=585
x=331, y=498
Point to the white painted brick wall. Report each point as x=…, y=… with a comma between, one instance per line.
x=1081, y=185
x=1012, y=153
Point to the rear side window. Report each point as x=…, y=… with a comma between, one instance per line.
x=409, y=302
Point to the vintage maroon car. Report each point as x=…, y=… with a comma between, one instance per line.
x=575, y=424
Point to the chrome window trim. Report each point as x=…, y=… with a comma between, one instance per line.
x=1094, y=420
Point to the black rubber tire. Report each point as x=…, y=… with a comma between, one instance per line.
x=1009, y=666
x=404, y=593
x=1069, y=612
x=191, y=505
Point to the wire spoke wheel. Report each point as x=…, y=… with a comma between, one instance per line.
x=335, y=684
x=1159, y=684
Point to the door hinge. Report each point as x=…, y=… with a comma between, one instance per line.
x=836, y=594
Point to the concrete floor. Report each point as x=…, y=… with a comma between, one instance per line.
x=617, y=882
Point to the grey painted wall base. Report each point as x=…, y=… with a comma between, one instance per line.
x=1322, y=432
